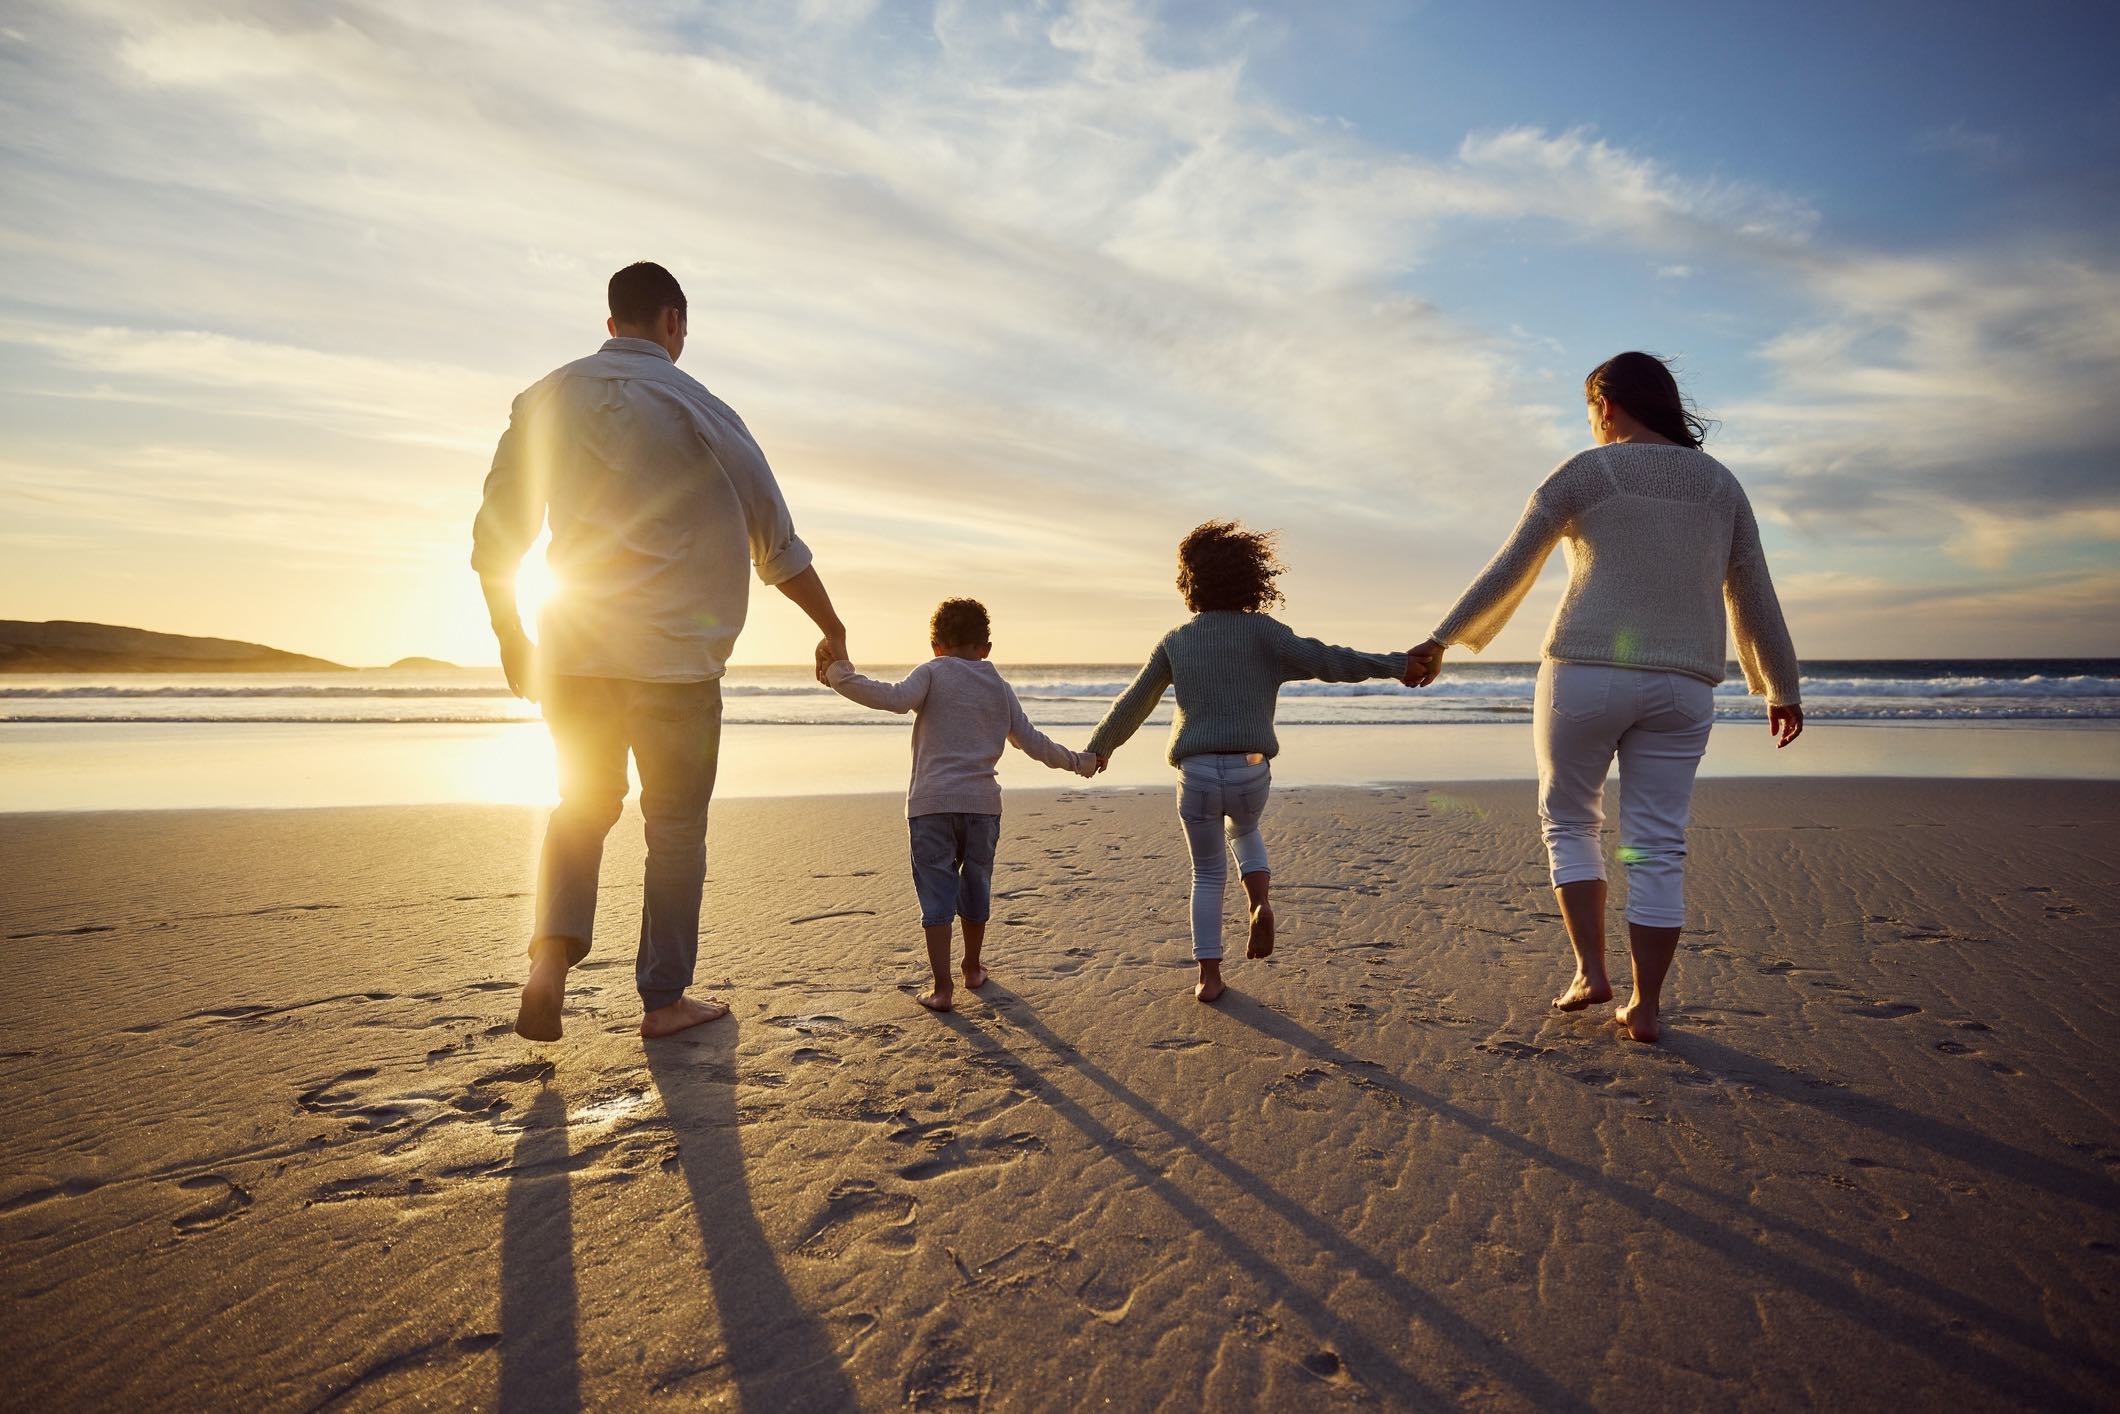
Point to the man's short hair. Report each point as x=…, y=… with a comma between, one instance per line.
x=642, y=291
x=960, y=623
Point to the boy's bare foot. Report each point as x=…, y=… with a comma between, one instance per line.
x=974, y=976
x=1261, y=944
x=1638, y=1019
x=1583, y=992
x=544, y=997
x=1209, y=988
x=681, y=1015
x=941, y=999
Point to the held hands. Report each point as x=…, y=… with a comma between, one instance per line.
x=828, y=652
x=1423, y=663
x=1786, y=724
x=1095, y=764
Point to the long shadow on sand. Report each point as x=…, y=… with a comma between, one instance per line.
x=779, y=1355
x=1367, y=1361
x=1965, y=1146
x=540, y=1355
x=1918, y=1333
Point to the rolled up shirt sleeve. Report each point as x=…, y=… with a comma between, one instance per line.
x=777, y=552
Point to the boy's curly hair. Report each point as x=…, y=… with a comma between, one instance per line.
x=1221, y=565
x=960, y=623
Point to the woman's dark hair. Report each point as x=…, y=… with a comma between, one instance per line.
x=640, y=293
x=960, y=623
x=1221, y=565
x=1642, y=384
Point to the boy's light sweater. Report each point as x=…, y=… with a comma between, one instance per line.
x=964, y=713
x=1658, y=538
x=1228, y=667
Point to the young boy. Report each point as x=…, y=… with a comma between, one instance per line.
x=965, y=712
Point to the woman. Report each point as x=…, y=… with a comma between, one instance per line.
x=1228, y=662
x=1659, y=536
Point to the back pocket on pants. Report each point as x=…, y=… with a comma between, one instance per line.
x=1578, y=693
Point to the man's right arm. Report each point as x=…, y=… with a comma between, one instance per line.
x=777, y=552
x=509, y=518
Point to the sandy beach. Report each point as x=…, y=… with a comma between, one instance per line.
x=271, y=1144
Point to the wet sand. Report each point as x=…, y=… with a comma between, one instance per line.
x=270, y=1142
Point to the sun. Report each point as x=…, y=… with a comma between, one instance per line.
x=534, y=583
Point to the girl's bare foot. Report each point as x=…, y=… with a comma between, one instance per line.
x=1209, y=988
x=1583, y=992
x=974, y=976
x=938, y=1000
x=1261, y=944
x=1638, y=1019
x=681, y=1015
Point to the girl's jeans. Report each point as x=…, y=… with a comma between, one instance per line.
x=1220, y=795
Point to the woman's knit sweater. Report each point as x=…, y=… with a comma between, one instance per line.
x=1658, y=538
x=1228, y=668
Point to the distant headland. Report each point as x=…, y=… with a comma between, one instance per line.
x=62, y=646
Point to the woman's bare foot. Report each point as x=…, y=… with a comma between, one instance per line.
x=1209, y=988
x=1261, y=944
x=941, y=999
x=544, y=997
x=681, y=1015
x=974, y=976
x=1583, y=992
x=1638, y=1019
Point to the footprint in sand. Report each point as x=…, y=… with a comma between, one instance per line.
x=959, y=1155
x=516, y=1074
x=333, y=1099
x=1513, y=1050
x=1177, y=1043
x=856, y=1209
x=1884, y=1009
x=226, y=1201
x=1325, y=1364
x=807, y=1055
x=1298, y=1088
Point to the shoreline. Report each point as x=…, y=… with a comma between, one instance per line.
x=145, y=766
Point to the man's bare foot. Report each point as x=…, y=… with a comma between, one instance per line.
x=544, y=997
x=974, y=976
x=941, y=999
x=1209, y=988
x=1261, y=944
x=1638, y=1020
x=1583, y=992
x=681, y=1015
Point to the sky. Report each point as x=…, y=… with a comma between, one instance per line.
x=1012, y=295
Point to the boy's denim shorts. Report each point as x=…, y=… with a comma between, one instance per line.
x=953, y=866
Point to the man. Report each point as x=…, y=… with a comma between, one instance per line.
x=657, y=497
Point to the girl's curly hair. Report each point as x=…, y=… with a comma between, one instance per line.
x=1221, y=565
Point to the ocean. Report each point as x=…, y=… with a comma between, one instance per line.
x=1072, y=695
x=381, y=736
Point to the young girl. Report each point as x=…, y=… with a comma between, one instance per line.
x=1228, y=663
